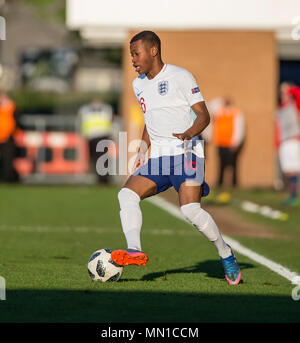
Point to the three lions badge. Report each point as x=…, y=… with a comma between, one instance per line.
x=163, y=87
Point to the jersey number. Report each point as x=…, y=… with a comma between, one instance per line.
x=143, y=105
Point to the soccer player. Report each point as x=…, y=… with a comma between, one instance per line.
x=166, y=93
x=288, y=140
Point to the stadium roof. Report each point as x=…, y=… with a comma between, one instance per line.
x=109, y=21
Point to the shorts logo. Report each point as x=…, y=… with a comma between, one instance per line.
x=195, y=90
x=163, y=87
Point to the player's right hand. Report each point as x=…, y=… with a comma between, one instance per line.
x=139, y=161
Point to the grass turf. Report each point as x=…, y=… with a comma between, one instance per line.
x=48, y=234
x=284, y=246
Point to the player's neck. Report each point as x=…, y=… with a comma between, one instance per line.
x=157, y=67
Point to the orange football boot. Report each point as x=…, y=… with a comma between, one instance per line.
x=129, y=257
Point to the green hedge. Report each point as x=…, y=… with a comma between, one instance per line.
x=33, y=102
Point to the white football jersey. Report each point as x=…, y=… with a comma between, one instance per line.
x=166, y=101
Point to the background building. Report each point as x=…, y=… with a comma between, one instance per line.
x=237, y=49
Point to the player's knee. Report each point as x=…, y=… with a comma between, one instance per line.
x=128, y=198
x=190, y=211
x=195, y=215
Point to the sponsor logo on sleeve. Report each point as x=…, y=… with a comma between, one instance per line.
x=195, y=90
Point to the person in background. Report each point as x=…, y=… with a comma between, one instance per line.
x=288, y=142
x=228, y=135
x=7, y=145
x=295, y=92
x=95, y=124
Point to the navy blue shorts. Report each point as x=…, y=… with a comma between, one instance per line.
x=168, y=171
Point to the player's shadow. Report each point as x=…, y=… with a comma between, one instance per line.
x=209, y=268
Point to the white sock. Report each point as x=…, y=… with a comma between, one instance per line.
x=131, y=217
x=204, y=223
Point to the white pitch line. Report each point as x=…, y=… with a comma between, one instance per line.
x=275, y=267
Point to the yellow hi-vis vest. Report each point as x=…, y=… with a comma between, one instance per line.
x=96, y=122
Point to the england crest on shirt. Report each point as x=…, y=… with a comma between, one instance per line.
x=163, y=87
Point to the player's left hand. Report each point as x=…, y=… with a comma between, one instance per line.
x=185, y=137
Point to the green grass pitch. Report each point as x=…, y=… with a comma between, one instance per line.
x=48, y=234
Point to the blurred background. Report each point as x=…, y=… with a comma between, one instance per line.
x=66, y=73
x=66, y=88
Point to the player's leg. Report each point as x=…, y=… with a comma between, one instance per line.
x=189, y=199
x=8, y=154
x=222, y=165
x=289, y=157
x=136, y=188
x=293, y=180
x=234, y=156
x=141, y=185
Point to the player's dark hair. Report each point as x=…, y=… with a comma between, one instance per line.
x=148, y=36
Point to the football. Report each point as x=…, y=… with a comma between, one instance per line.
x=102, y=268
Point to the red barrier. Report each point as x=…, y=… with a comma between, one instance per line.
x=58, y=143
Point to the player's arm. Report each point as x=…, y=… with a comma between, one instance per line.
x=142, y=150
x=201, y=122
x=145, y=143
x=187, y=85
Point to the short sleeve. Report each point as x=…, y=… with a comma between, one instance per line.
x=134, y=88
x=189, y=88
x=136, y=85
